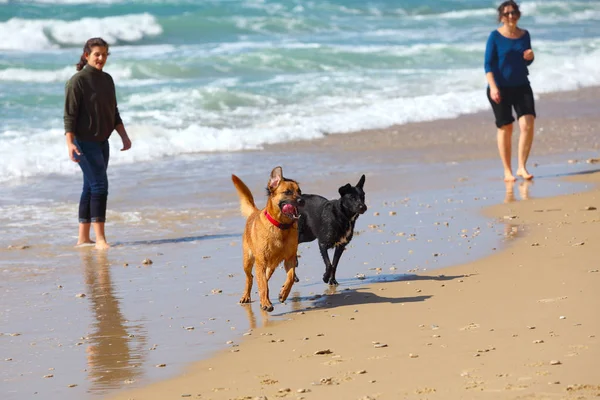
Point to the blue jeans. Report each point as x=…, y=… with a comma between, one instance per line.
x=94, y=163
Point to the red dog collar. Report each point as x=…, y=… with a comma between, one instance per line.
x=277, y=223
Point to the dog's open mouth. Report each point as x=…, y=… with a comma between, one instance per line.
x=290, y=211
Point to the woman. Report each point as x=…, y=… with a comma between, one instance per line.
x=91, y=114
x=507, y=55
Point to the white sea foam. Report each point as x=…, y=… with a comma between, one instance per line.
x=222, y=116
x=44, y=152
x=60, y=75
x=40, y=34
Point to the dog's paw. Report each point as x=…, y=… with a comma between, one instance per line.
x=333, y=282
x=268, y=307
x=245, y=300
x=326, y=278
x=296, y=279
x=282, y=295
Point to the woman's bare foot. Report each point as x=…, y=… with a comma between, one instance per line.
x=102, y=245
x=509, y=177
x=522, y=172
x=85, y=243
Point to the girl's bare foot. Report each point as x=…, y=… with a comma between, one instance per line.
x=102, y=245
x=522, y=172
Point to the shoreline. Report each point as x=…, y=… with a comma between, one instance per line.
x=494, y=328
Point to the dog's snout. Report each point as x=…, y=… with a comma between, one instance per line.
x=300, y=201
x=363, y=208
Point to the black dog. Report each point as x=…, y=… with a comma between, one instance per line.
x=332, y=223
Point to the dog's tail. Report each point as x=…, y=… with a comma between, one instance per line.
x=247, y=206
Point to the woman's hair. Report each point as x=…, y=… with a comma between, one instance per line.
x=87, y=49
x=505, y=4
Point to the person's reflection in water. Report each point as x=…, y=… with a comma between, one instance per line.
x=524, y=189
x=511, y=230
x=110, y=358
x=510, y=191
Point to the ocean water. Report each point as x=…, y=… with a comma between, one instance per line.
x=226, y=76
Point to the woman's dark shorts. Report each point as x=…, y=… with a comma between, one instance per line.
x=519, y=97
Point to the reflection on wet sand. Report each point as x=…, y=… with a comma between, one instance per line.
x=523, y=188
x=111, y=357
x=294, y=299
x=252, y=317
x=512, y=230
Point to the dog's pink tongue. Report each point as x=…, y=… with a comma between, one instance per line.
x=288, y=209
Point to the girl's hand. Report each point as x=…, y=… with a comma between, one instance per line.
x=73, y=150
x=528, y=54
x=495, y=95
x=126, y=142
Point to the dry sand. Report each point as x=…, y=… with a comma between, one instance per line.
x=522, y=323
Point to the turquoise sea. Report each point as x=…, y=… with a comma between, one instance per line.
x=224, y=76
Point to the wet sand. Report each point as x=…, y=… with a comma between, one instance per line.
x=522, y=323
x=135, y=317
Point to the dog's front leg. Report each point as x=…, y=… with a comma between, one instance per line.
x=263, y=286
x=336, y=259
x=290, y=269
x=328, y=268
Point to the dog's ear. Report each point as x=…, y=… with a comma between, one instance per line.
x=361, y=182
x=276, y=177
x=345, y=189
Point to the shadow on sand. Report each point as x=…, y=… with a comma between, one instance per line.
x=565, y=174
x=183, y=239
x=333, y=297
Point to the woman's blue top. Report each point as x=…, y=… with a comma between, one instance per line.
x=504, y=58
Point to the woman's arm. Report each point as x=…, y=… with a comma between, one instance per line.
x=72, y=102
x=528, y=54
x=490, y=58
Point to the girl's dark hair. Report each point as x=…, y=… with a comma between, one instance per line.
x=505, y=4
x=87, y=49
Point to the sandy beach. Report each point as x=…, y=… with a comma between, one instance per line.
x=519, y=323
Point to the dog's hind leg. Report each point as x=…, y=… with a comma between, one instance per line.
x=336, y=259
x=328, y=267
x=248, y=264
x=290, y=269
x=296, y=279
x=270, y=271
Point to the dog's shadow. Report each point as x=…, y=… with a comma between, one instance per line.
x=353, y=297
x=333, y=297
x=413, y=277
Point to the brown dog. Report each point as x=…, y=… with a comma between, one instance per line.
x=271, y=235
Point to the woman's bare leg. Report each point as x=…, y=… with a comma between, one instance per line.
x=84, y=234
x=526, y=124
x=101, y=243
x=504, y=148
